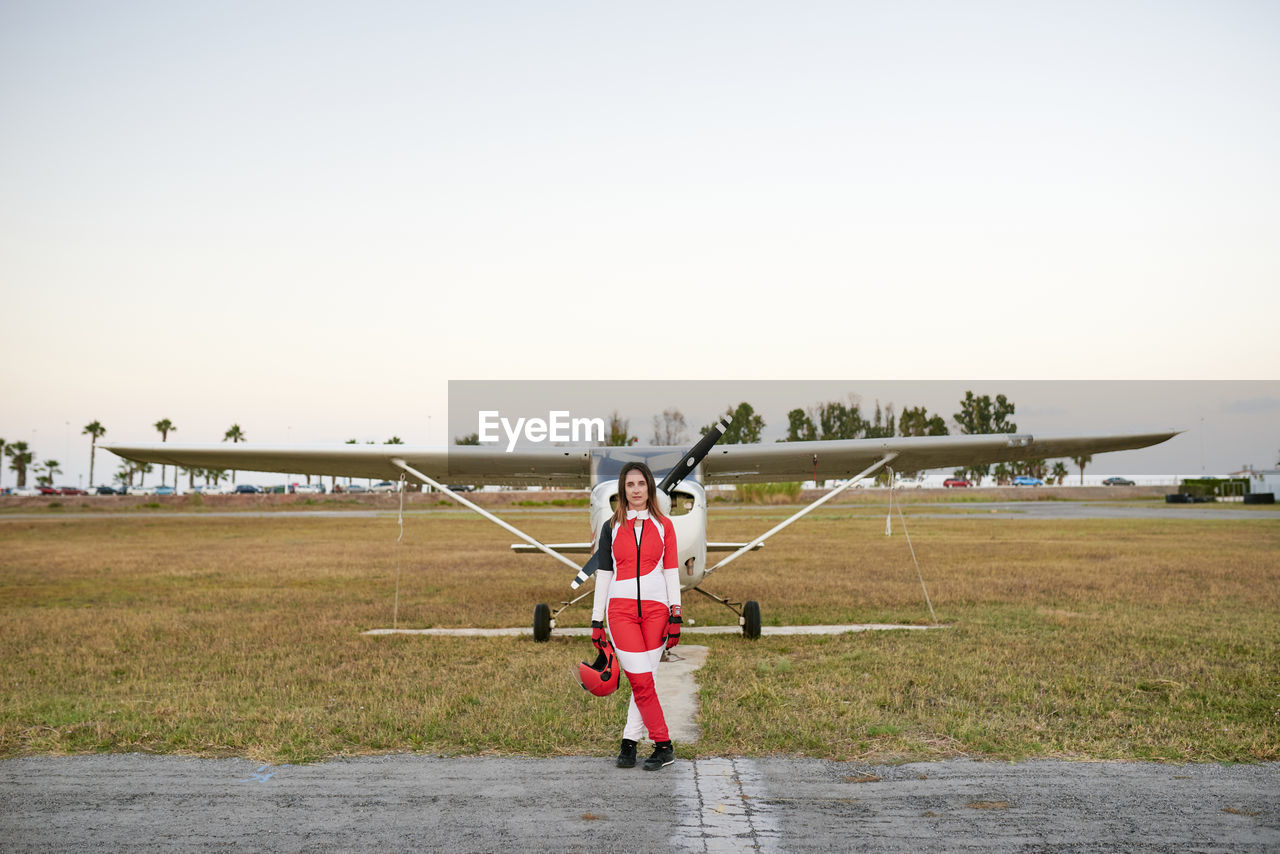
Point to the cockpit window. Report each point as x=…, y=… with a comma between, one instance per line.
x=681, y=503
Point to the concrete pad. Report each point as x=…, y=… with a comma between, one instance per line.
x=678, y=691
x=582, y=632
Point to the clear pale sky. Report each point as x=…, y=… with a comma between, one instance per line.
x=306, y=218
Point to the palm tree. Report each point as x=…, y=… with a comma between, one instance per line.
x=1082, y=461
x=236, y=436
x=21, y=457
x=164, y=426
x=95, y=431
x=2, y=444
x=50, y=469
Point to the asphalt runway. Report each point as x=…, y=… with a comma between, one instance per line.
x=421, y=803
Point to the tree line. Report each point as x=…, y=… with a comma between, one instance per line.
x=978, y=414
x=22, y=459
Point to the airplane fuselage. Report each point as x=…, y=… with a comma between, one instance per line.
x=687, y=509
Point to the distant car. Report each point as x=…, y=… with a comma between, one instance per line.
x=1027, y=480
x=26, y=491
x=48, y=490
x=246, y=489
x=461, y=487
x=909, y=482
x=107, y=490
x=355, y=487
x=139, y=490
x=953, y=482
x=165, y=490
x=1118, y=481
x=308, y=489
x=71, y=490
x=383, y=486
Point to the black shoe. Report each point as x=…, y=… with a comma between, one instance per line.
x=663, y=755
x=627, y=756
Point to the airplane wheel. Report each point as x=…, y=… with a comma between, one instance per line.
x=751, y=620
x=542, y=622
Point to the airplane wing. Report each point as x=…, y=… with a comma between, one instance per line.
x=459, y=464
x=780, y=461
x=842, y=458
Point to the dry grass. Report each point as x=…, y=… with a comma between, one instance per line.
x=224, y=636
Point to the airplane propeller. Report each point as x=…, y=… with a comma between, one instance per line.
x=678, y=472
x=694, y=456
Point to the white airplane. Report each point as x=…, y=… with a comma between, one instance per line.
x=680, y=493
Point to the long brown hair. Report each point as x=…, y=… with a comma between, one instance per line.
x=620, y=514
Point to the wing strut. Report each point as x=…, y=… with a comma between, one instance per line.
x=403, y=466
x=885, y=460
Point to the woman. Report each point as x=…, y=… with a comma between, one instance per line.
x=638, y=586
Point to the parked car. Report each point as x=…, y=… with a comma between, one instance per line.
x=1027, y=480
x=165, y=490
x=384, y=486
x=48, y=490
x=26, y=491
x=354, y=487
x=954, y=482
x=107, y=490
x=307, y=489
x=1118, y=481
x=461, y=487
x=246, y=489
x=139, y=490
x=915, y=482
x=71, y=490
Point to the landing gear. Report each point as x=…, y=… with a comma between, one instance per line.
x=748, y=614
x=542, y=622
x=751, y=620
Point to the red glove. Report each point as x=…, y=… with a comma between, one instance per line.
x=598, y=637
x=673, y=626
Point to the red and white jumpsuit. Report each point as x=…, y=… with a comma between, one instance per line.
x=637, y=581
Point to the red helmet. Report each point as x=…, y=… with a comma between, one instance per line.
x=600, y=678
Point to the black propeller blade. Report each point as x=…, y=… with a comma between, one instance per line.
x=693, y=457
x=678, y=473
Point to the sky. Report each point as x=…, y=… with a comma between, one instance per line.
x=308, y=218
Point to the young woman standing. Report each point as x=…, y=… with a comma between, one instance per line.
x=638, y=587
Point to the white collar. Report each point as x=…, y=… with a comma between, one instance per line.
x=637, y=514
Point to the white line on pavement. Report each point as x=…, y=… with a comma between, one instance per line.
x=721, y=806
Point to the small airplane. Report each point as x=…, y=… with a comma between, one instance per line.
x=681, y=493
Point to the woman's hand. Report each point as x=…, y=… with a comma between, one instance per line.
x=673, y=626
x=598, y=637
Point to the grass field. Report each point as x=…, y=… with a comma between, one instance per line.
x=241, y=636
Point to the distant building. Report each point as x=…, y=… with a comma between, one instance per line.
x=1265, y=481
